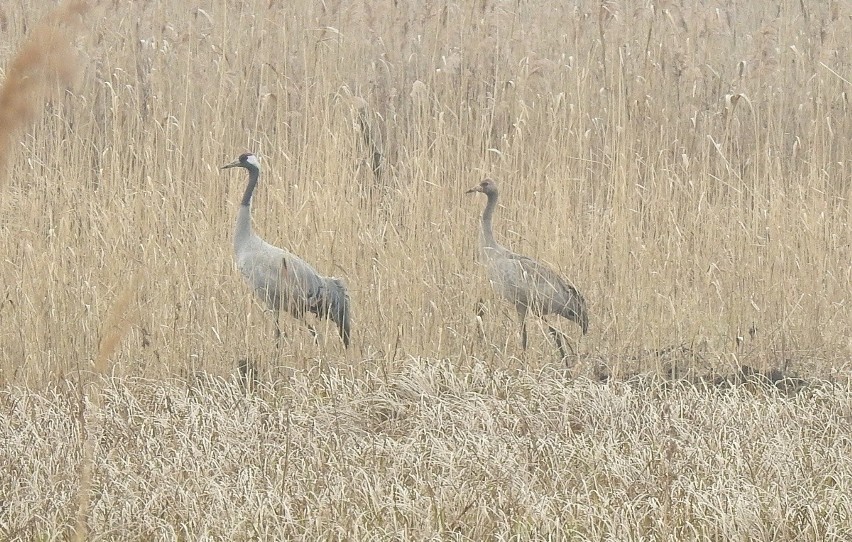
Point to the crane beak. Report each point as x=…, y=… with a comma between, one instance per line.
x=235, y=163
x=476, y=188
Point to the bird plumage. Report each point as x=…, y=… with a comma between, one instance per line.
x=527, y=284
x=280, y=279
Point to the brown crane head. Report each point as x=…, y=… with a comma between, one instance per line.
x=487, y=187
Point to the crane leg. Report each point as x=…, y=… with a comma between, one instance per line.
x=277, y=328
x=558, y=337
x=279, y=334
x=522, y=316
x=314, y=333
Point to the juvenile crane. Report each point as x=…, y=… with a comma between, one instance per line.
x=280, y=279
x=524, y=282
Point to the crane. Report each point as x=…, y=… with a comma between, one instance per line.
x=280, y=279
x=527, y=284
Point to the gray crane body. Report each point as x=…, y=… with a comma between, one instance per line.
x=524, y=282
x=281, y=280
x=529, y=285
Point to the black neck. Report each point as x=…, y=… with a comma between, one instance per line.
x=254, y=174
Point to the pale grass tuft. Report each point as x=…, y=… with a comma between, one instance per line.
x=436, y=452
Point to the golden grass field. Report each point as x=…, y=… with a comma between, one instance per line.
x=685, y=165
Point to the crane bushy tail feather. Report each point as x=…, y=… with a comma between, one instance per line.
x=575, y=310
x=332, y=301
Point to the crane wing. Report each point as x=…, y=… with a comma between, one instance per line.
x=299, y=285
x=554, y=294
x=528, y=283
x=332, y=301
x=308, y=291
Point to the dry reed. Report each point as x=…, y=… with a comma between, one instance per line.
x=687, y=196
x=46, y=57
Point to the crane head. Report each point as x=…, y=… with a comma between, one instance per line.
x=487, y=186
x=246, y=160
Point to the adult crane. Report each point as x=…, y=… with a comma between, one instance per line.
x=527, y=284
x=280, y=279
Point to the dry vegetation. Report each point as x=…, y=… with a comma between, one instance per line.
x=686, y=166
x=435, y=452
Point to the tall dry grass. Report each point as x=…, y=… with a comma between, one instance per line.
x=684, y=166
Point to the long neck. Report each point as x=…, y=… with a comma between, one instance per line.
x=244, y=230
x=254, y=175
x=487, y=232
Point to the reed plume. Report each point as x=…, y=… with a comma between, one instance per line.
x=46, y=57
